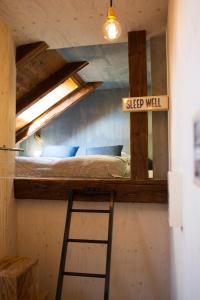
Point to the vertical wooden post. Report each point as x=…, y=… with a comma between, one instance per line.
x=7, y=137
x=159, y=119
x=138, y=87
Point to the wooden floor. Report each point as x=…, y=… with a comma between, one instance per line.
x=127, y=190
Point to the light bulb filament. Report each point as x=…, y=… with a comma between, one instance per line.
x=111, y=28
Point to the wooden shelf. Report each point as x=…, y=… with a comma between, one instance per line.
x=127, y=190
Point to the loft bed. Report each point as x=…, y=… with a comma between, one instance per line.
x=75, y=167
x=137, y=188
x=50, y=178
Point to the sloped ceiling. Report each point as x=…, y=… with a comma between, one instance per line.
x=72, y=23
x=107, y=63
x=39, y=73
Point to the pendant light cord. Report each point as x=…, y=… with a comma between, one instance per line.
x=110, y=3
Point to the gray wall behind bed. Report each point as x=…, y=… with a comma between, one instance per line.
x=95, y=121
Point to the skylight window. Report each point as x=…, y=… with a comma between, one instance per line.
x=46, y=102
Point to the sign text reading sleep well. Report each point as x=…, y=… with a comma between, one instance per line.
x=151, y=103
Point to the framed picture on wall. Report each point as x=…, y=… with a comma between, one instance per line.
x=197, y=149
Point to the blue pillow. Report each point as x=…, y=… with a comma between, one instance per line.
x=59, y=151
x=106, y=150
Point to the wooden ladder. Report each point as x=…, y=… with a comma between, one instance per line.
x=67, y=240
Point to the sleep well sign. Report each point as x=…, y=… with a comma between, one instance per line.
x=150, y=103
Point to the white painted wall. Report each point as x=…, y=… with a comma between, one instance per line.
x=184, y=81
x=140, y=256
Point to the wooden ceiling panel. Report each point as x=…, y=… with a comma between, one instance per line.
x=27, y=52
x=47, y=63
x=37, y=70
x=79, y=23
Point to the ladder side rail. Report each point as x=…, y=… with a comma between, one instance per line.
x=64, y=247
x=109, y=248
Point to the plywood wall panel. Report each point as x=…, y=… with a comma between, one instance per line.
x=140, y=254
x=7, y=137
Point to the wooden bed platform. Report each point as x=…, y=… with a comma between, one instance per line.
x=127, y=190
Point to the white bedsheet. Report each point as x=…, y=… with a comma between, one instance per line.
x=90, y=166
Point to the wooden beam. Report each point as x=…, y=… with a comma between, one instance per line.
x=46, y=86
x=146, y=191
x=138, y=87
x=159, y=119
x=55, y=110
x=25, y=53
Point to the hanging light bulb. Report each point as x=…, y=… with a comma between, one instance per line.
x=111, y=28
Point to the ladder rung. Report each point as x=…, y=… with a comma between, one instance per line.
x=84, y=274
x=98, y=211
x=88, y=241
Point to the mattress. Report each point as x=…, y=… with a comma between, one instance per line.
x=90, y=166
